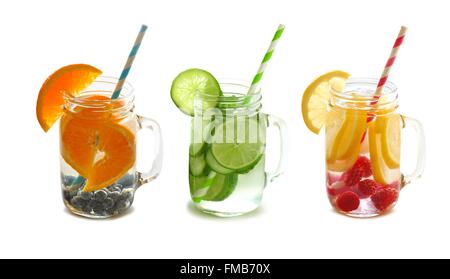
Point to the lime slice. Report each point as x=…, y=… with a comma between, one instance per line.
x=191, y=82
x=196, y=149
x=212, y=163
x=201, y=133
x=197, y=165
x=235, y=152
x=222, y=186
x=198, y=186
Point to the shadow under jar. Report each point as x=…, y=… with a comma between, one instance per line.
x=98, y=150
x=227, y=173
x=363, y=143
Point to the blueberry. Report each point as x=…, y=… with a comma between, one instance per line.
x=114, y=196
x=89, y=206
x=108, y=203
x=73, y=193
x=77, y=202
x=86, y=195
x=116, y=188
x=110, y=211
x=127, y=193
x=122, y=205
x=100, y=195
x=66, y=195
x=97, y=206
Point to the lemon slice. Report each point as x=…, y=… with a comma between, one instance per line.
x=390, y=127
x=335, y=122
x=352, y=134
x=344, y=130
x=382, y=172
x=315, y=102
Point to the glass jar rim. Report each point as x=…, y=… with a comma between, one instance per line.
x=234, y=98
x=125, y=98
x=359, y=94
x=354, y=83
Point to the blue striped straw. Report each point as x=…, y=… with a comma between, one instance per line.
x=123, y=76
x=127, y=67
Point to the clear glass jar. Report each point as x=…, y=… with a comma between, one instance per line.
x=98, y=150
x=363, y=143
x=227, y=173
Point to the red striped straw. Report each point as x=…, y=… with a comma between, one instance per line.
x=387, y=68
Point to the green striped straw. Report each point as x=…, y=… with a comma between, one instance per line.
x=127, y=67
x=121, y=82
x=266, y=59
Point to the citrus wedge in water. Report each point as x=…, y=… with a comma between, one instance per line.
x=342, y=142
x=383, y=173
x=240, y=150
x=102, y=152
x=390, y=144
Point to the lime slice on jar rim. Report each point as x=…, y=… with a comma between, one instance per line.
x=190, y=83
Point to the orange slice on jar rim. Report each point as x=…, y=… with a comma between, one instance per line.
x=101, y=152
x=73, y=79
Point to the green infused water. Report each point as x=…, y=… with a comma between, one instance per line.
x=226, y=163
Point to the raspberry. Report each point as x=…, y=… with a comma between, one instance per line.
x=367, y=187
x=352, y=176
x=347, y=201
x=364, y=164
x=384, y=197
x=361, y=168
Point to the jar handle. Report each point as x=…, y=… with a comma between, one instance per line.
x=420, y=162
x=152, y=125
x=282, y=131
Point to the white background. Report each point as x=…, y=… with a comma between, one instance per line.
x=228, y=38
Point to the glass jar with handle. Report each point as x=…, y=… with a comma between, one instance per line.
x=98, y=150
x=363, y=143
x=227, y=173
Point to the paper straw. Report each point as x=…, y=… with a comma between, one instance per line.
x=127, y=67
x=266, y=59
x=387, y=68
x=123, y=76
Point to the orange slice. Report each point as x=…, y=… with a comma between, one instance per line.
x=72, y=79
x=102, y=152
